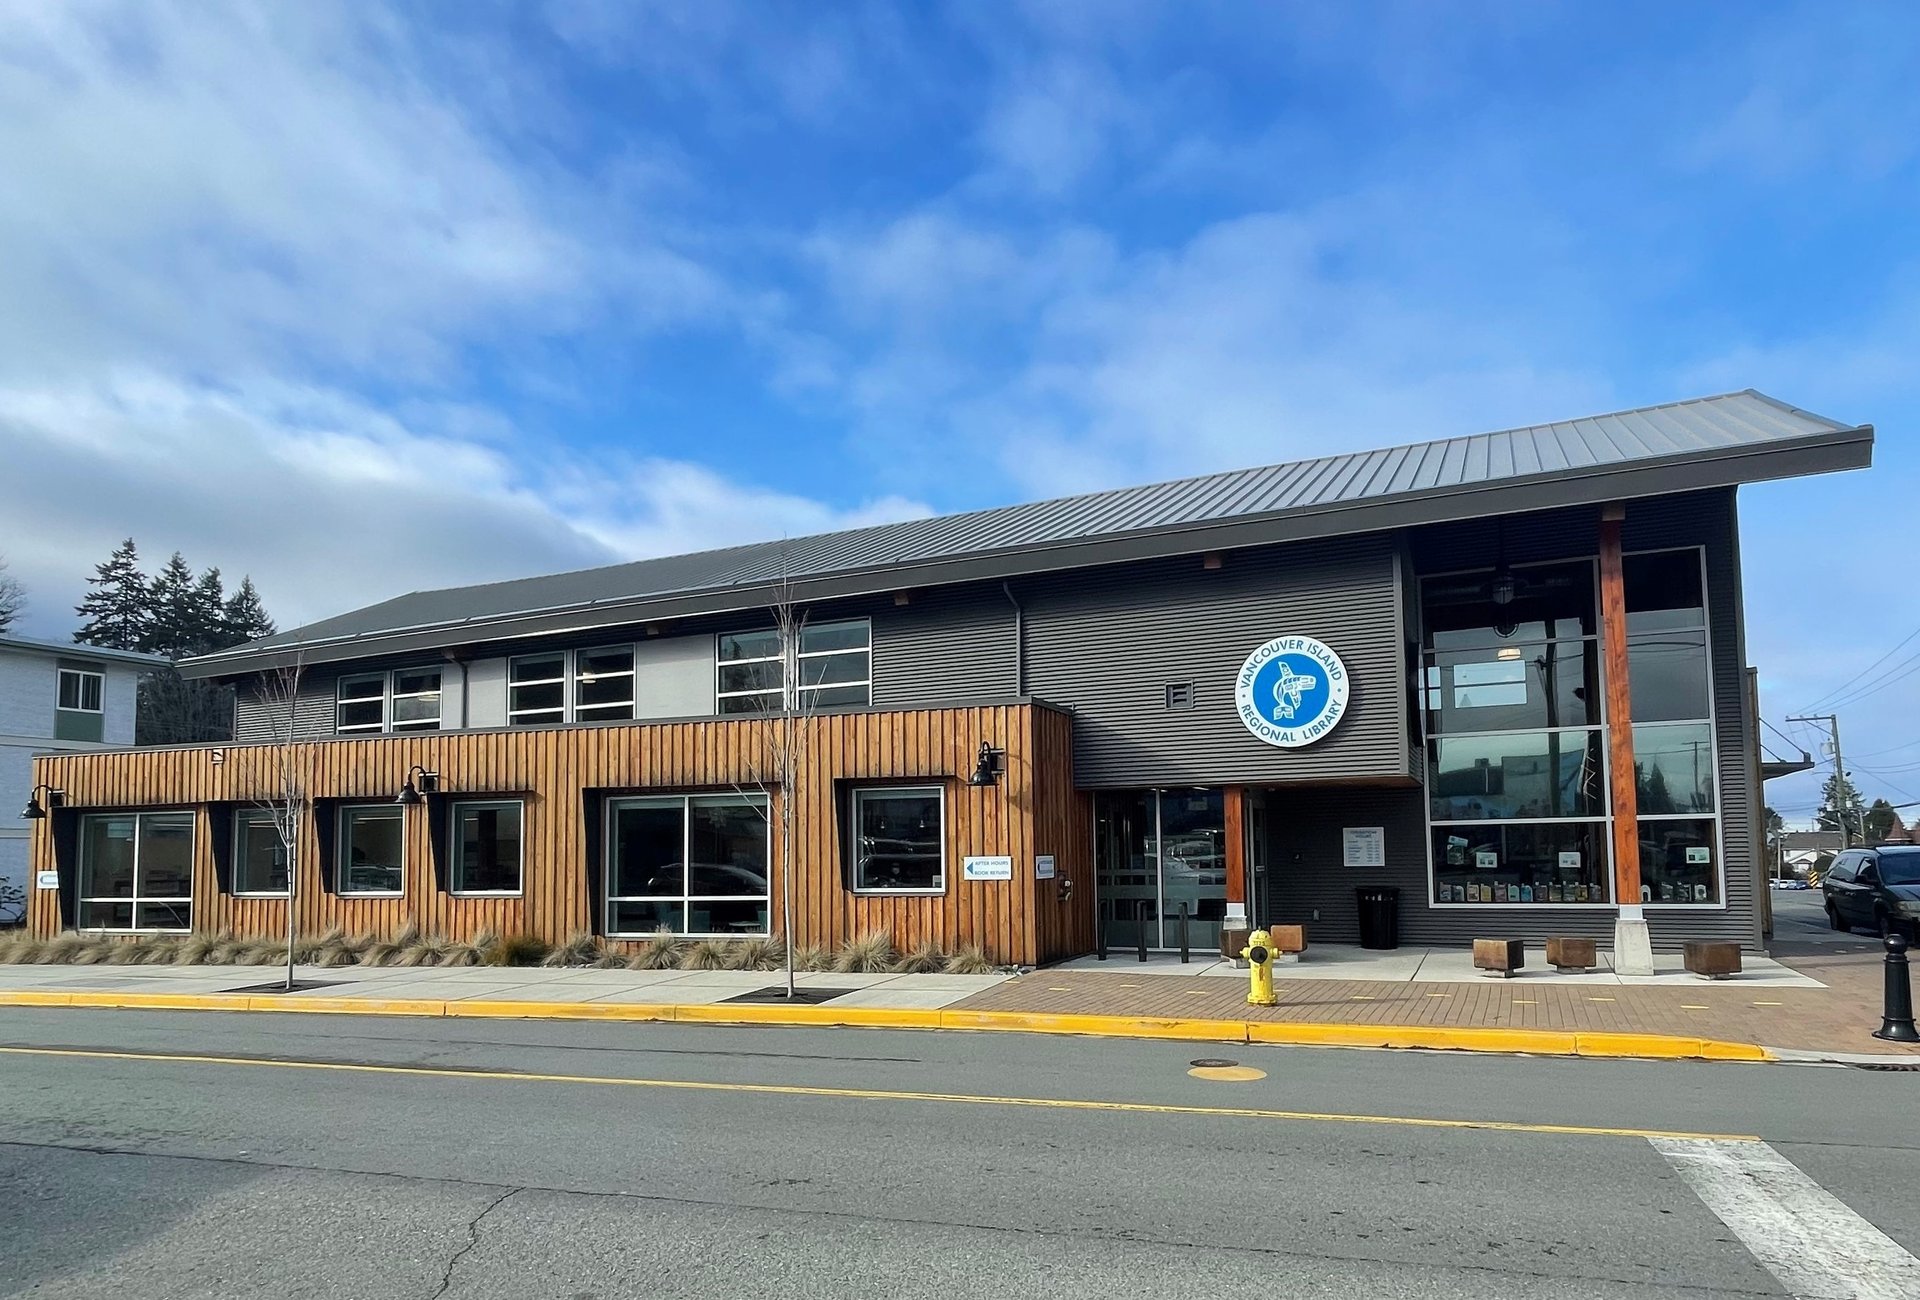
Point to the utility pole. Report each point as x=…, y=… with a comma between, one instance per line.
x=1839, y=767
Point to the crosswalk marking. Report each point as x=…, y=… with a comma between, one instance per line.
x=1812, y=1243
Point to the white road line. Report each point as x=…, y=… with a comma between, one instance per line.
x=1804, y=1235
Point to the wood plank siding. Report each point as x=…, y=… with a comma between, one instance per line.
x=565, y=775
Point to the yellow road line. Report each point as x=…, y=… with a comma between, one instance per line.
x=879, y=1094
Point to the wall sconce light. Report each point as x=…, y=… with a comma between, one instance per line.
x=35, y=810
x=987, y=770
x=412, y=794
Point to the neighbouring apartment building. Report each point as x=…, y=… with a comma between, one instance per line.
x=54, y=696
x=1502, y=674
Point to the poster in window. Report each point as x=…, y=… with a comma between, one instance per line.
x=1570, y=861
x=1364, y=846
x=1486, y=860
x=1699, y=857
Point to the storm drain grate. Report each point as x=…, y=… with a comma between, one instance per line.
x=778, y=993
x=280, y=986
x=1897, y=1067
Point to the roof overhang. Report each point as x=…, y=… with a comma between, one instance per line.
x=1819, y=453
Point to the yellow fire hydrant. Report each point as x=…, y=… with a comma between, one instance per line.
x=1259, y=956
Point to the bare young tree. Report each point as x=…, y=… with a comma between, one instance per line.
x=290, y=770
x=776, y=761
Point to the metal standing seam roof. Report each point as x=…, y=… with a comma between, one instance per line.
x=1724, y=429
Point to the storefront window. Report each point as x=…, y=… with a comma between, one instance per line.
x=1524, y=774
x=373, y=851
x=1554, y=863
x=1667, y=675
x=486, y=847
x=1677, y=861
x=1673, y=768
x=136, y=871
x=1513, y=687
x=692, y=864
x=259, y=858
x=898, y=840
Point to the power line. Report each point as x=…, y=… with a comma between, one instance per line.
x=1886, y=679
x=1842, y=687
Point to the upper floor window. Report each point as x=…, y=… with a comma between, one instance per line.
x=78, y=715
x=407, y=699
x=571, y=686
x=831, y=665
x=81, y=690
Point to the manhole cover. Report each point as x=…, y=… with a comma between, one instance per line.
x=778, y=993
x=1212, y=1063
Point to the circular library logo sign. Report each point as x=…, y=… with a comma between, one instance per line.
x=1291, y=691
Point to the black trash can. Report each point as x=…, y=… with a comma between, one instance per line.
x=1379, y=916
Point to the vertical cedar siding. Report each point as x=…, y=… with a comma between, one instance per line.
x=564, y=775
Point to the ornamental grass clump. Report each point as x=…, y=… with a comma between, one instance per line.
x=925, y=959
x=768, y=953
x=580, y=949
x=659, y=951
x=870, y=954
x=58, y=951
x=970, y=959
x=811, y=957
x=707, y=954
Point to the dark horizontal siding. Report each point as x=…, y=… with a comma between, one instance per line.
x=253, y=722
x=949, y=646
x=1107, y=643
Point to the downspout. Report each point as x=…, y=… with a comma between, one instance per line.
x=1019, y=644
x=466, y=720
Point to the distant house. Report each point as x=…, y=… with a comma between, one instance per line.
x=62, y=698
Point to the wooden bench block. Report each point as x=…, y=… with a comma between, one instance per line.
x=1231, y=942
x=1565, y=954
x=1713, y=960
x=1288, y=938
x=1499, y=957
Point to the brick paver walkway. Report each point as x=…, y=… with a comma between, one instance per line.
x=1839, y=1018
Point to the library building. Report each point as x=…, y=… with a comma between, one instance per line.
x=1499, y=680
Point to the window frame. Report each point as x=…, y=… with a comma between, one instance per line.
x=855, y=796
x=455, y=844
x=439, y=694
x=360, y=728
x=136, y=899
x=790, y=656
x=242, y=818
x=343, y=845
x=761, y=804
x=98, y=679
x=570, y=708
x=388, y=680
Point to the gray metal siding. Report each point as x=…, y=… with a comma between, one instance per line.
x=949, y=646
x=312, y=714
x=1107, y=642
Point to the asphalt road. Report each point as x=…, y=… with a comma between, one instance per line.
x=1800, y=926
x=520, y=1159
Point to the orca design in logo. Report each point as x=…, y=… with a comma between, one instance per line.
x=1291, y=691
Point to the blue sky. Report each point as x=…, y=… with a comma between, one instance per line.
x=360, y=300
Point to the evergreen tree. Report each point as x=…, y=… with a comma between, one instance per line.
x=172, y=611
x=1841, y=807
x=1880, y=821
x=208, y=630
x=13, y=596
x=246, y=615
x=114, y=610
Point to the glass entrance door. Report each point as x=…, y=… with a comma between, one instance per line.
x=1155, y=850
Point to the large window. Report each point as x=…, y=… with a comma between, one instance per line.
x=136, y=871
x=571, y=686
x=1516, y=772
x=259, y=858
x=80, y=690
x=897, y=840
x=486, y=855
x=831, y=664
x=406, y=699
x=1674, y=757
x=372, y=851
x=692, y=864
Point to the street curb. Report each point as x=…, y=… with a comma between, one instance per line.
x=1539, y=1042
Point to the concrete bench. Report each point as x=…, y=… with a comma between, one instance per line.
x=1714, y=961
x=1571, y=956
x=1499, y=958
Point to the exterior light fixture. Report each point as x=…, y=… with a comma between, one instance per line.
x=36, y=811
x=987, y=770
x=1507, y=652
x=412, y=794
x=1504, y=588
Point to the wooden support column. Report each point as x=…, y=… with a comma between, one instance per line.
x=1613, y=648
x=1235, y=801
x=1632, y=947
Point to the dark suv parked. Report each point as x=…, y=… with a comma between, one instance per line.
x=1878, y=889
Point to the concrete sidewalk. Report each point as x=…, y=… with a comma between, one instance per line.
x=1413, y=999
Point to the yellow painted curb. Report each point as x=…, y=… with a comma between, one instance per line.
x=1542, y=1042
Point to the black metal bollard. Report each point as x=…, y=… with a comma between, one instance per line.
x=1185, y=955
x=1140, y=926
x=1896, y=1017
x=1101, y=920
